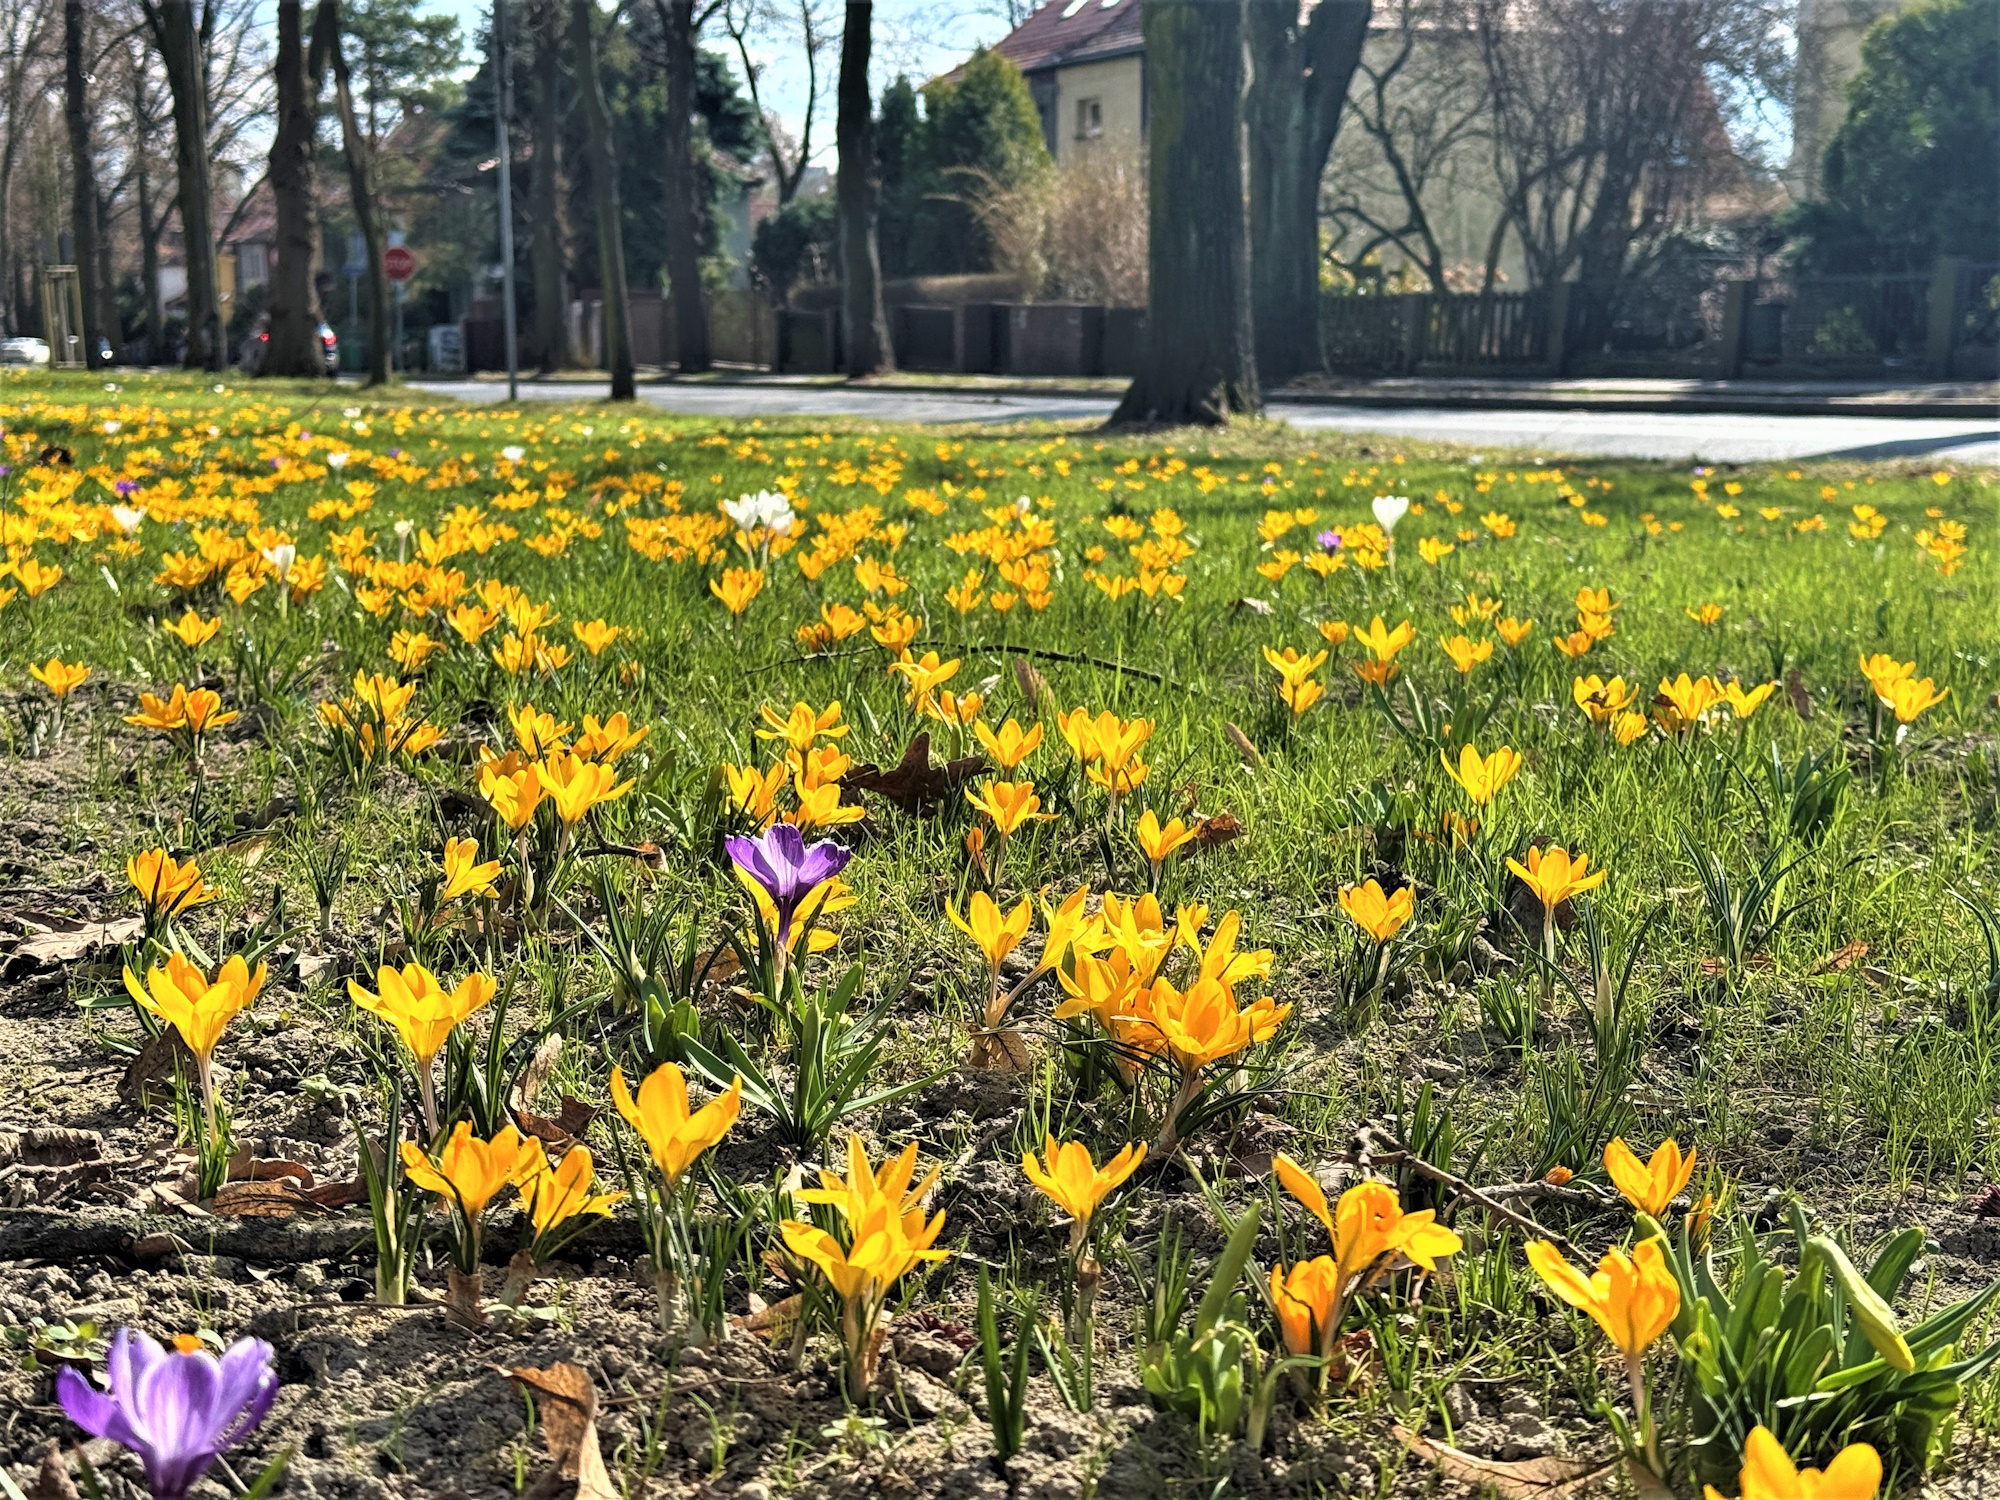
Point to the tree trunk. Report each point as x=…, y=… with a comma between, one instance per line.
x=83, y=181
x=294, y=347
x=1201, y=362
x=545, y=254
x=1297, y=98
x=683, y=191
x=361, y=192
x=864, y=324
x=180, y=51
x=149, y=265
x=604, y=193
x=107, y=286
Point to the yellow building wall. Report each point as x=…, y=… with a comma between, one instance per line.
x=1117, y=86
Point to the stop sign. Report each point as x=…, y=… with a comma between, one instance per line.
x=399, y=263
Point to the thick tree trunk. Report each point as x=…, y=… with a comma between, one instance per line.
x=864, y=323
x=1201, y=362
x=149, y=265
x=180, y=51
x=361, y=193
x=545, y=255
x=1297, y=98
x=83, y=180
x=604, y=193
x=107, y=285
x=294, y=347
x=683, y=191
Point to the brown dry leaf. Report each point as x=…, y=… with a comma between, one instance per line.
x=243, y=1167
x=337, y=1194
x=53, y=1147
x=249, y=850
x=541, y=1067
x=53, y=1482
x=1521, y=1479
x=914, y=784
x=258, y=1200
x=1252, y=757
x=152, y=1071
x=1214, y=832
x=1796, y=692
x=569, y=1124
x=998, y=1052
x=569, y=1425
x=776, y=1320
x=1034, y=686
x=64, y=940
x=1842, y=959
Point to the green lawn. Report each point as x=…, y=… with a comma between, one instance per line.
x=1783, y=970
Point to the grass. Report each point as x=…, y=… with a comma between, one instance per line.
x=1805, y=1062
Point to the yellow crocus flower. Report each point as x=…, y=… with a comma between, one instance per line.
x=1482, y=776
x=1012, y=805
x=1555, y=876
x=1380, y=916
x=996, y=935
x=1010, y=746
x=1633, y=1299
x=1159, y=840
x=59, y=677
x=167, y=887
x=1768, y=1473
x=675, y=1135
x=463, y=872
x=1651, y=1186
x=1069, y=1179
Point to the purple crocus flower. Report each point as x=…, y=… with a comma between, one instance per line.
x=780, y=861
x=126, y=487
x=1329, y=541
x=177, y=1409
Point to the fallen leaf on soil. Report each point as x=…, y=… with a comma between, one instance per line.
x=914, y=784
x=569, y=1426
x=569, y=1124
x=998, y=1052
x=541, y=1067
x=65, y=940
x=1842, y=959
x=153, y=1069
x=1521, y=1479
x=338, y=1194
x=54, y=1147
x=775, y=1321
x=243, y=1167
x=1795, y=690
x=1213, y=833
x=258, y=1200
x=1985, y=1204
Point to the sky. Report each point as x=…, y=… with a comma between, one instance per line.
x=919, y=37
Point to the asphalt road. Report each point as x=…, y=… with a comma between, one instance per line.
x=1727, y=437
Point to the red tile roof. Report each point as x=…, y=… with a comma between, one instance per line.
x=1073, y=31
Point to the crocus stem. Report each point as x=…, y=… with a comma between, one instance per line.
x=205, y=1076
x=427, y=1099
x=1649, y=1437
x=1169, y=1137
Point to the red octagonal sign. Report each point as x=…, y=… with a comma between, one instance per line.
x=399, y=263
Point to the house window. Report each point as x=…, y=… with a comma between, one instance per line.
x=253, y=264
x=1089, y=118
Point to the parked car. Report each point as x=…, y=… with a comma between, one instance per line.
x=252, y=358
x=24, y=351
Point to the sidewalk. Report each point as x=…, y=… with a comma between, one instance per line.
x=1960, y=399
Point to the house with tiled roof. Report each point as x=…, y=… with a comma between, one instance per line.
x=1086, y=68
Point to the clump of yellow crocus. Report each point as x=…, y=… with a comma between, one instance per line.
x=1379, y=917
x=167, y=886
x=676, y=1136
x=559, y=1201
x=423, y=1014
x=199, y=1008
x=1370, y=1234
x=1298, y=688
x=996, y=934
x=1068, y=1178
x=1634, y=1300
x=887, y=1237
x=61, y=678
x=1554, y=875
x=468, y=1174
x=1769, y=1474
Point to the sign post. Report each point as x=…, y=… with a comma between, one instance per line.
x=399, y=264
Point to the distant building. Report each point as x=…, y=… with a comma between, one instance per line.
x=1086, y=68
x=1829, y=57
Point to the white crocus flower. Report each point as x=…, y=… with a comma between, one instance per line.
x=128, y=518
x=337, y=460
x=112, y=426
x=512, y=454
x=350, y=412
x=765, y=510
x=281, y=558
x=1390, y=509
